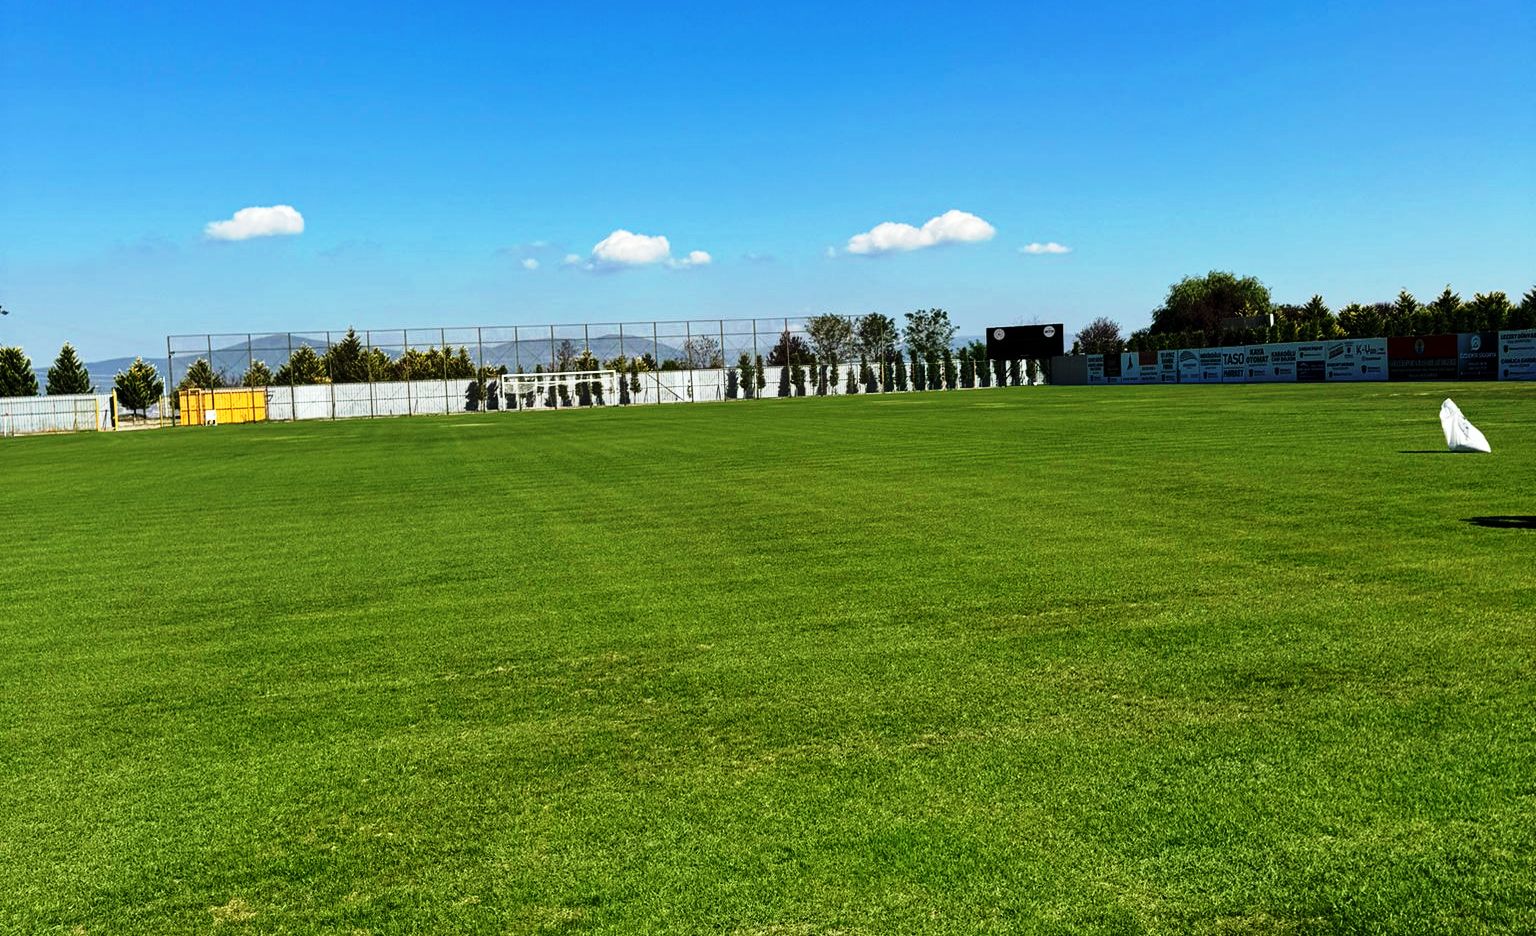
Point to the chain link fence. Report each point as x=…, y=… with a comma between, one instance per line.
x=341, y=374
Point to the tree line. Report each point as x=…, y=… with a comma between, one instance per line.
x=1208, y=311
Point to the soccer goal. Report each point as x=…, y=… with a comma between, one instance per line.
x=555, y=389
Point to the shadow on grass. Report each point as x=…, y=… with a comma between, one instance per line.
x=1426, y=452
x=1503, y=523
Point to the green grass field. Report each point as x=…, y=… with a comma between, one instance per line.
x=1160, y=659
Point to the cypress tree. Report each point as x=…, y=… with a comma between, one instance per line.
x=919, y=376
x=748, y=384
x=68, y=375
x=784, y=379
x=899, y=365
x=731, y=383
x=935, y=375
x=762, y=376
x=852, y=387
x=999, y=372
x=1013, y=373
x=949, y=370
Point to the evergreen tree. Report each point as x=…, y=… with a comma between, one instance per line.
x=832, y=373
x=1000, y=372
x=16, y=376
x=1013, y=373
x=1443, y=314
x=748, y=384
x=552, y=399
x=762, y=376
x=967, y=369
x=67, y=375
x=624, y=397
x=201, y=376
x=257, y=375
x=473, y=394
x=303, y=368
x=138, y=387
x=797, y=377
x=919, y=374
x=935, y=375
x=634, y=380
x=493, y=393
x=899, y=369
x=951, y=376
x=852, y=387
x=867, y=375
x=784, y=380
x=346, y=361
x=1404, y=309
x=732, y=382
x=1524, y=315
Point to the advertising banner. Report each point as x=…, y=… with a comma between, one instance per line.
x=1477, y=356
x=1112, y=368
x=1188, y=364
x=1430, y=357
x=1210, y=365
x=1234, y=365
x=1257, y=364
x=1168, y=366
x=1130, y=367
x=1355, y=359
x=1282, y=361
x=1517, y=355
x=1096, y=369
x=1311, y=362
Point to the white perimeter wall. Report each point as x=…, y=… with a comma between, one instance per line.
x=73, y=413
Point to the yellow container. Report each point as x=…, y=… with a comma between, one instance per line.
x=231, y=405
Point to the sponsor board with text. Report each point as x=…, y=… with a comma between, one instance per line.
x=1168, y=366
x=1517, y=355
x=1357, y=359
x=1477, y=356
x=1426, y=357
x=1311, y=361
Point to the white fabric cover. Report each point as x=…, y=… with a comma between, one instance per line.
x=1460, y=435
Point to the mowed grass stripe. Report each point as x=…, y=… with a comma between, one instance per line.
x=1051, y=659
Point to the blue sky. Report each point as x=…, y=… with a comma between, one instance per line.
x=1351, y=149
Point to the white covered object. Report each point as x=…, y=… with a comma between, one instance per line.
x=1460, y=435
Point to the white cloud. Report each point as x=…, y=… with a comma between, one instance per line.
x=623, y=249
x=530, y=264
x=953, y=226
x=695, y=258
x=571, y=259
x=1050, y=247
x=257, y=222
x=626, y=248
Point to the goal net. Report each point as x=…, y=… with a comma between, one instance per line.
x=555, y=389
